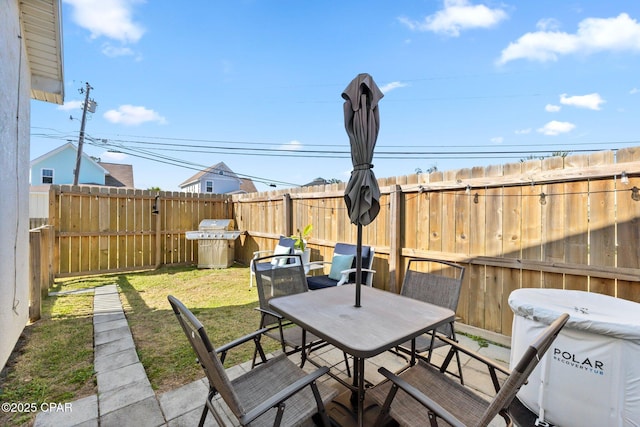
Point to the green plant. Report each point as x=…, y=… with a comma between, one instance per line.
x=301, y=236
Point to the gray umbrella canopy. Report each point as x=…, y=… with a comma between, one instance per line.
x=362, y=122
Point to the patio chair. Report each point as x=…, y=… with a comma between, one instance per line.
x=283, y=247
x=343, y=267
x=436, y=282
x=423, y=395
x=275, y=393
x=287, y=279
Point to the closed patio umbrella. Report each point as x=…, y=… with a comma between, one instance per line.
x=362, y=123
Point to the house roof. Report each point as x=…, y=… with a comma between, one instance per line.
x=317, y=181
x=211, y=169
x=247, y=186
x=42, y=35
x=68, y=145
x=119, y=175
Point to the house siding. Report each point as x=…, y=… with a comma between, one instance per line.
x=15, y=98
x=63, y=165
x=221, y=184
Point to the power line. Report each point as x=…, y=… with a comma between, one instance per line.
x=189, y=165
x=562, y=145
x=152, y=151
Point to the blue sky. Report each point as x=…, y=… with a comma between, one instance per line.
x=257, y=84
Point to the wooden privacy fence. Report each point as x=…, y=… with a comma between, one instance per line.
x=566, y=223
x=105, y=229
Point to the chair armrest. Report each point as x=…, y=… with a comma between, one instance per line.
x=423, y=399
x=320, y=263
x=346, y=273
x=241, y=340
x=489, y=362
x=283, y=395
x=270, y=313
x=257, y=254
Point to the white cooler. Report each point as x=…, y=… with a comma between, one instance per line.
x=591, y=374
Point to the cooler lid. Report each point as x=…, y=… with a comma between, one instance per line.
x=588, y=311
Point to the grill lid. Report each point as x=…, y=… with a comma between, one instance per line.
x=216, y=225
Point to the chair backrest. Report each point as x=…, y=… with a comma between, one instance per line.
x=367, y=259
x=285, y=242
x=281, y=280
x=436, y=282
x=523, y=369
x=207, y=355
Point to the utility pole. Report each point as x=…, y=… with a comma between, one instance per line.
x=91, y=106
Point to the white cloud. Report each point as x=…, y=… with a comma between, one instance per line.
x=107, y=18
x=552, y=108
x=114, y=51
x=523, y=131
x=456, y=16
x=591, y=101
x=497, y=140
x=391, y=86
x=133, y=115
x=70, y=105
x=634, y=91
x=555, y=127
x=293, y=145
x=108, y=156
x=548, y=24
x=594, y=35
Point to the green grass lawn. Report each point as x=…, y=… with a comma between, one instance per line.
x=53, y=361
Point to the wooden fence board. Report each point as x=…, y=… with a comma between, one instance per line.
x=554, y=226
x=493, y=276
x=577, y=220
x=628, y=226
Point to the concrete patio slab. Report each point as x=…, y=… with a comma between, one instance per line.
x=116, y=360
x=82, y=412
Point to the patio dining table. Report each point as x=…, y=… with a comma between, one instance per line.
x=383, y=321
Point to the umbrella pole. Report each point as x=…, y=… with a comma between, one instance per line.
x=358, y=265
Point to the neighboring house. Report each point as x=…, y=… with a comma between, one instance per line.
x=218, y=179
x=317, y=181
x=32, y=68
x=58, y=166
x=321, y=181
x=118, y=175
x=247, y=186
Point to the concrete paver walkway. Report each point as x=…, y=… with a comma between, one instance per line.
x=125, y=396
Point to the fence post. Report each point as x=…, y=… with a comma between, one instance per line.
x=156, y=212
x=46, y=257
x=54, y=202
x=35, y=292
x=287, y=211
x=395, y=238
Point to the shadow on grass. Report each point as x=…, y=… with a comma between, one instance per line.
x=220, y=299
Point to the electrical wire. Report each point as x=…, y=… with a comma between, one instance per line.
x=153, y=151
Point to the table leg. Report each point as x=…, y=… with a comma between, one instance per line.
x=303, y=351
x=354, y=389
x=357, y=394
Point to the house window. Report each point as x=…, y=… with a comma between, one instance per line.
x=208, y=187
x=47, y=176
